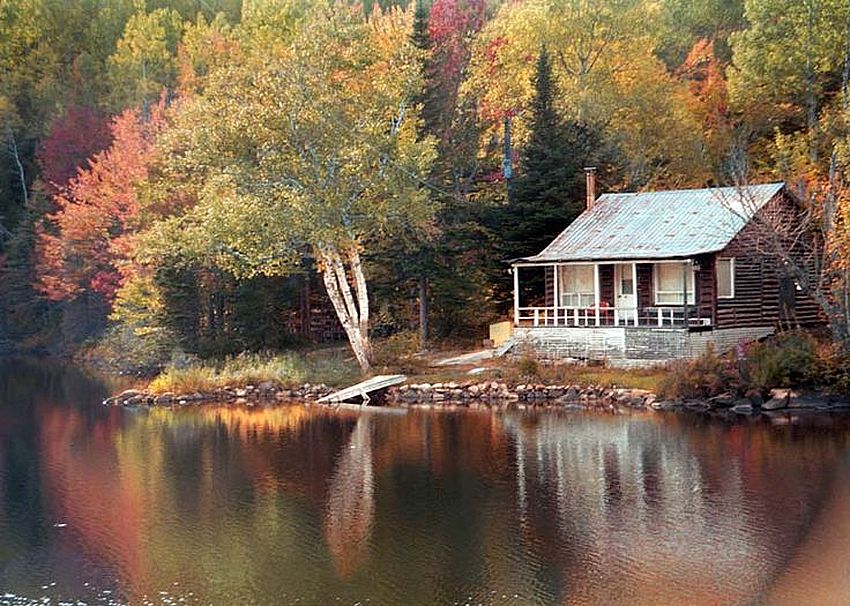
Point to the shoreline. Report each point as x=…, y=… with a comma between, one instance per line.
x=496, y=395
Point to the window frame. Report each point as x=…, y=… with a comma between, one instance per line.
x=577, y=294
x=731, y=278
x=691, y=285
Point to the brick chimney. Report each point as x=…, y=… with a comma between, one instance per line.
x=590, y=175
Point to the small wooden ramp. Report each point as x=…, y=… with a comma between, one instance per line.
x=363, y=389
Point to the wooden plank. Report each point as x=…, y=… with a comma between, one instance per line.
x=364, y=388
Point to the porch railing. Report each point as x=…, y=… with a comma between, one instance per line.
x=659, y=316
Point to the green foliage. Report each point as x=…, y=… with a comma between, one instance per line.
x=789, y=360
x=550, y=190
x=793, y=359
x=145, y=58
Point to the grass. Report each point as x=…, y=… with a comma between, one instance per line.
x=252, y=369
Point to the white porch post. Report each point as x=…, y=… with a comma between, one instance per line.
x=635, y=289
x=516, y=295
x=596, y=290
x=557, y=292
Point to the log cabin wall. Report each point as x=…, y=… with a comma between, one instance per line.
x=550, y=285
x=706, y=287
x=759, y=281
x=645, y=285
x=606, y=285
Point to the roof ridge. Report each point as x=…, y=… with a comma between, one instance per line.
x=690, y=189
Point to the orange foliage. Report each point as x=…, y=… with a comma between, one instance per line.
x=84, y=244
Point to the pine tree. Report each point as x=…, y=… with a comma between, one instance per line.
x=549, y=192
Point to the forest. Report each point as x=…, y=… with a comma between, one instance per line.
x=194, y=176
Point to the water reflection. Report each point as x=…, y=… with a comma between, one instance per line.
x=351, y=500
x=301, y=504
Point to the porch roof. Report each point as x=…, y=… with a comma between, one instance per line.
x=658, y=225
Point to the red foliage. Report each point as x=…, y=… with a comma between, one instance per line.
x=84, y=244
x=74, y=137
x=451, y=27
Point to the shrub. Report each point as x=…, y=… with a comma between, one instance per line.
x=787, y=360
x=528, y=368
x=705, y=377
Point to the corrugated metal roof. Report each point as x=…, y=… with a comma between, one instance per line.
x=658, y=225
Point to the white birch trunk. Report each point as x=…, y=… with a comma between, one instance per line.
x=354, y=321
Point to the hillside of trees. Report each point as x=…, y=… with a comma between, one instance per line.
x=175, y=175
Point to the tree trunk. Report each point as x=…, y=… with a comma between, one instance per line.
x=423, y=313
x=354, y=317
x=19, y=167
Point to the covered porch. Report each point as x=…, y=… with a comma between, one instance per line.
x=639, y=293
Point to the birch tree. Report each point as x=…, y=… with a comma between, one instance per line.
x=309, y=149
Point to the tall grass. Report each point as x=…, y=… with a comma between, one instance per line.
x=253, y=369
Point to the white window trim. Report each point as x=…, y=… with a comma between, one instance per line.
x=656, y=290
x=731, y=277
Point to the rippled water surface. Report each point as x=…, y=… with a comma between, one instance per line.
x=302, y=505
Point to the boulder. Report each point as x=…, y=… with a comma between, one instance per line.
x=127, y=394
x=744, y=408
x=165, y=398
x=779, y=398
x=724, y=400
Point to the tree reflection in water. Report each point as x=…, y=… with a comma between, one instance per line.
x=299, y=503
x=351, y=500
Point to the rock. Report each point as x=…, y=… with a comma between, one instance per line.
x=241, y=393
x=743, y=408
x=666, y=405
x=165, y=398
x=266, y=386
x=128, y=393
x=779, y=398
x=797, y=400
x=724, y=400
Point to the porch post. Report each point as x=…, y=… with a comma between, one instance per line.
x=516, y=295
x=557, y=291
x=596, y=290
x=635, y=290
x=685, y=289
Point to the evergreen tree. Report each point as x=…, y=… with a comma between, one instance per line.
x=550, y=189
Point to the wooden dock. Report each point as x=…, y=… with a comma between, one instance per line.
x=363, y=389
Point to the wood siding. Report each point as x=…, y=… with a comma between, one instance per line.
x=645, y=285
x=758, y=282
x=606, y=285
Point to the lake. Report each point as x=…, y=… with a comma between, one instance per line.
x=299, y=504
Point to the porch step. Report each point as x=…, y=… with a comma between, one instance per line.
x=504, y=348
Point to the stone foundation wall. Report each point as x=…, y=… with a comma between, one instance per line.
x=629, y=346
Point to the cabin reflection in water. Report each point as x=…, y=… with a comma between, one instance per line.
x=427, y=507
x=635, y=495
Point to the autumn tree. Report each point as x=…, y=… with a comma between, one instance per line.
x=324, y=161
x=607, y=75
x=87, y=241
x=786, y=60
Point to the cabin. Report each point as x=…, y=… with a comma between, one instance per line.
x=647, y=277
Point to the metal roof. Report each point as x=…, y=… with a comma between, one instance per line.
x=658, y=225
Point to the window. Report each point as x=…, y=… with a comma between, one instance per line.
x=577, y=286
x=725, y=278
x=669, y=284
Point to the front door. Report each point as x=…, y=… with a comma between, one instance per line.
x=624, y=284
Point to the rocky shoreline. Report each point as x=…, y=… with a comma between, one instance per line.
x=498, y=395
